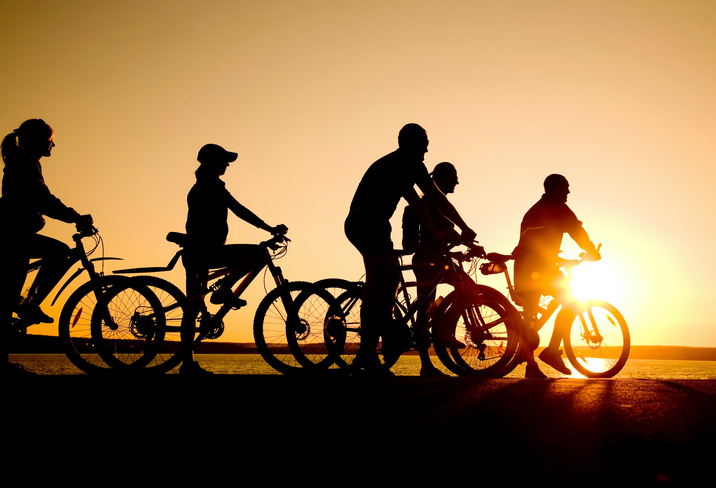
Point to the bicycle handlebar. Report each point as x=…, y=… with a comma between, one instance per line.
x=275, y=242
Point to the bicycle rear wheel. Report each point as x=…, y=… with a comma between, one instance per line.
x=128, y=331
x=316, y=309
x=474, y=334
x=75, y=325
x=164, y=353
x=598, y=342
x=343, y=330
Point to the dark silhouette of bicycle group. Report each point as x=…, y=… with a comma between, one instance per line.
x=133, y=321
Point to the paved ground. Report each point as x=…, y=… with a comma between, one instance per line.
x=352, y=431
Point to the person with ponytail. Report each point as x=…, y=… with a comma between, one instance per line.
x=25, y=201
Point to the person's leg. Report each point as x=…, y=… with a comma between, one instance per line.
x=196, y=274
x=381, y=284
x=56, y=261
x=552, y=354
x=242, y=258
x=425, y=269
x=14, y=262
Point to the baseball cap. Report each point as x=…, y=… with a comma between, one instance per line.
x=211, y=153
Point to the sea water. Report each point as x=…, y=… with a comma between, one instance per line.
x=408, y=365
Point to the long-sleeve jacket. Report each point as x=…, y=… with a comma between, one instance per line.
x=26, y=198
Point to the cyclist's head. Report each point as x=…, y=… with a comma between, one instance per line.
x=213, y=153
x=214, y=160
x=556, y=186
x=34, y=136
x=445, y=177
x=414, y=139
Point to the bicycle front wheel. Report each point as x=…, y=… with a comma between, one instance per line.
x=75, y=325
x=277, y=317
x=474, y=334
x=598, y=342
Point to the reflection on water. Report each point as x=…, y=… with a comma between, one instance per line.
x=253, y=364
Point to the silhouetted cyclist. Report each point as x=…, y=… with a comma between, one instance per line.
x=368, y=228
x=428, y=258
x=536, y=270
x=206, y=227
x=25, y=200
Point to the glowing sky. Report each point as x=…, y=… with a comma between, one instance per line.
x=616, y=95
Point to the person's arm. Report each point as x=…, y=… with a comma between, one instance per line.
x=248, y=216
x=582, y=239
x=423, y=215
x=440, y=201
x=576, y=231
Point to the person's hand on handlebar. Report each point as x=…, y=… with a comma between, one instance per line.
x=592, y=255
x=84, y=223
x=468, y=235
x=476, y=249
x=279, y=229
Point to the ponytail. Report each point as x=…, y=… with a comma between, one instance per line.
x=10, y=149
x=29, y=132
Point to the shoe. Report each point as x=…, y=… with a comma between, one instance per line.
x=533, y=371
x=225, y=295
x=369, y=365
x=555, y=360
x=14, y=369
x=193, y=369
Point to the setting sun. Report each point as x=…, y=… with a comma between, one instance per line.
x=599, y=280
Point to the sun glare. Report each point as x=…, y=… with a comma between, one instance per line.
x=597, y=280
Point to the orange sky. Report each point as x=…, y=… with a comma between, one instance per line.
x=616, y=95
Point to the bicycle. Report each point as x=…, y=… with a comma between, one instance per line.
x=157, y=342
x=98, y=296
x=598, y=341
x=485, y=324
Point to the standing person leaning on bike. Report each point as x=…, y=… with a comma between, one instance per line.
x=368, y=228
x=206, y=228
x=536, y=265
x=25, y=200
x=428, y=258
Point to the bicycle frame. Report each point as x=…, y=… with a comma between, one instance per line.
x=76, y=254
x=215, y=274
x=87, y=264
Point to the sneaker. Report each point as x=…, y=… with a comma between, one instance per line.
x=193, y=369
x=533, y=371
x=14, y=369
x=225, y=295
x=554, y=360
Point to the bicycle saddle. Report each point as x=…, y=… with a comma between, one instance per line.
x=177, y=238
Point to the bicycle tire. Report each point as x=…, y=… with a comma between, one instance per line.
x=315, y=307
x=165, y=353
x=482, y=356
x=75, y=326
x=271, y=328
x=343, y=333
x=129, y=331
x=598, y=358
